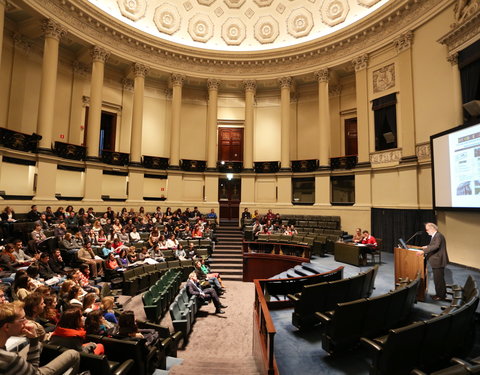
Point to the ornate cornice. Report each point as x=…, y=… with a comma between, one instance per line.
x=99, y=54
x=53, y=29
x=213, y=84
x=463, y=34
x=374, y=32
x=80, y=69
x=403, y=42
x=250, y=85
x=360, y=62
x=423, y=151
x=285, y=82
x=3, y=2
x=128, y=84
x=453, y=58
x=140, y=70
x=322, y=75
x=384, y=157
x=177, y=79
x=335, y=90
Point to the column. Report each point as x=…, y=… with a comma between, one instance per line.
x=212, y=110
x=360, y=64
x=140, y=72
x=285, y=86
x=46, y=108
x=99, y=57
x=457, y=90
x=323, y=118
x=250, y=88
x=405, y=106
x=3, y=4
x=177, y=84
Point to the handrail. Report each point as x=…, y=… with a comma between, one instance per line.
x=265, y=329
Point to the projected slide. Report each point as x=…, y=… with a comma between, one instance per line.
x=465, y=167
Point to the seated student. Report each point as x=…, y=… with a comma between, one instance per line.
x=144, y=254
x=180, y=254
x=50, y=311
x=156, y=253
x=162, y=243
x=210, y=274
x=132, y=255
x=37, y=234
x=8, y=262
x=107, y=249
x=44, y=268
x=56, y=263
x=128, y=329
x=204, y=295
x=154, y=237
x=172, y=243
x=70, y=333
x=22, y=287
x=101, y=238
x=202, y=276
x=89, y=303
x=34, y=306
x=86, y=255
x=111, y=263
x=123, y=236
x=68, y=243
x=75, y=297
x=107, y=309
x=123, y=259
x=197, y=231
x=33, y=214
x=82, y=277
x=95, y=323
x=134, y=235
x=14, y=323
x=191, y=254
x=357, y=237
x=371, y=244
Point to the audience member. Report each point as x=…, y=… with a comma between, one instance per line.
x=203, y=295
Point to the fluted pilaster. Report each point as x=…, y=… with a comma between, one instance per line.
x=99, y=58
x=360, y=64
x=177, y=84
x=250, y=88
x=212, y=112
x=285, y=87
x=323, y=77
x=46, y=108
x=140, y=71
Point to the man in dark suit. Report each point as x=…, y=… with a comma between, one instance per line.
x=436, y=253
x=203, y=295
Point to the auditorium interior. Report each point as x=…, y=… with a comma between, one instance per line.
x=317, y=108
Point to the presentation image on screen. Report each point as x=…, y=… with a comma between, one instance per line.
x=456, y=168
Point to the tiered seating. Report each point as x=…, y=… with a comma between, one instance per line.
x=96, y=364
x=368, y=317
x=182, y=312
x=157, y=298
x=427, y=344
x=325, y=296
x=278, y=289
x=460, y=367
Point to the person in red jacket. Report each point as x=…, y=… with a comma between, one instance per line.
x=371, y=244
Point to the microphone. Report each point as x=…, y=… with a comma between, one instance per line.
x=414, y=235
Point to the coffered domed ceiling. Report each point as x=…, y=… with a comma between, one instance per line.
x=239, y=25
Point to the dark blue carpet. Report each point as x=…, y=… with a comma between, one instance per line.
x=301, y=352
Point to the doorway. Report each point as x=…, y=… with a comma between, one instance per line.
x=229, y=194
x=351, y=143
x=108, y=131
x=230, y=144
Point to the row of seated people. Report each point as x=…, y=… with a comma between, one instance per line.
x=41, y=322
x=127, y=228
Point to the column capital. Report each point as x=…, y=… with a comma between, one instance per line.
x=80, y=68
x=322, y=75
x=127, y=84
x=285, y=82
x=3, y=2
x=53, y=29
x=453, y=59
x=335, y=90
x=360, y=62
x=250, y=85
x=99, y=54
x=177, y=79
x=22, y=43
x=213, y=83
x=140, y=70
x=403, y=42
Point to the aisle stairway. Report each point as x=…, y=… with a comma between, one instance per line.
x=227, y=257
x=216, y=366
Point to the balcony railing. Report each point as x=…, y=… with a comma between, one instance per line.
x=229, y=166
x=266, y=166
x=154, y=162
x=115, y=158
x=193, y=165
x=343, y=162
x=19, y=141
x=69, y=151
x=304, y=165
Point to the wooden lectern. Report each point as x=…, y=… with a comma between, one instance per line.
x=407, y=264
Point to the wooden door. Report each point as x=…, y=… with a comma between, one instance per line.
x=229, y=198
x=351, y=142
x=230, y=144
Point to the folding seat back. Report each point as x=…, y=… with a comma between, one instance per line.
x=462, y=328
x=338, y=292
x=263, y=237
x=195, y=241
x=401, y=350
x=393, y=315
x=410, y=298
x=161, y=266
x=469, y=287
x=356, y=290
x=312, y=299
x=139, y=271
x=434, y=341
x=369, y=281
x=184, y=243
x=375, y=315
x=205, y=243
x=168, y=254
x=345, y=327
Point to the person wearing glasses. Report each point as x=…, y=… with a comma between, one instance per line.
x=14, y=323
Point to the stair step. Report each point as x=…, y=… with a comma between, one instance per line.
x=230, y=260
x=226, y=271
x=232, y=277
x=224, y=266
